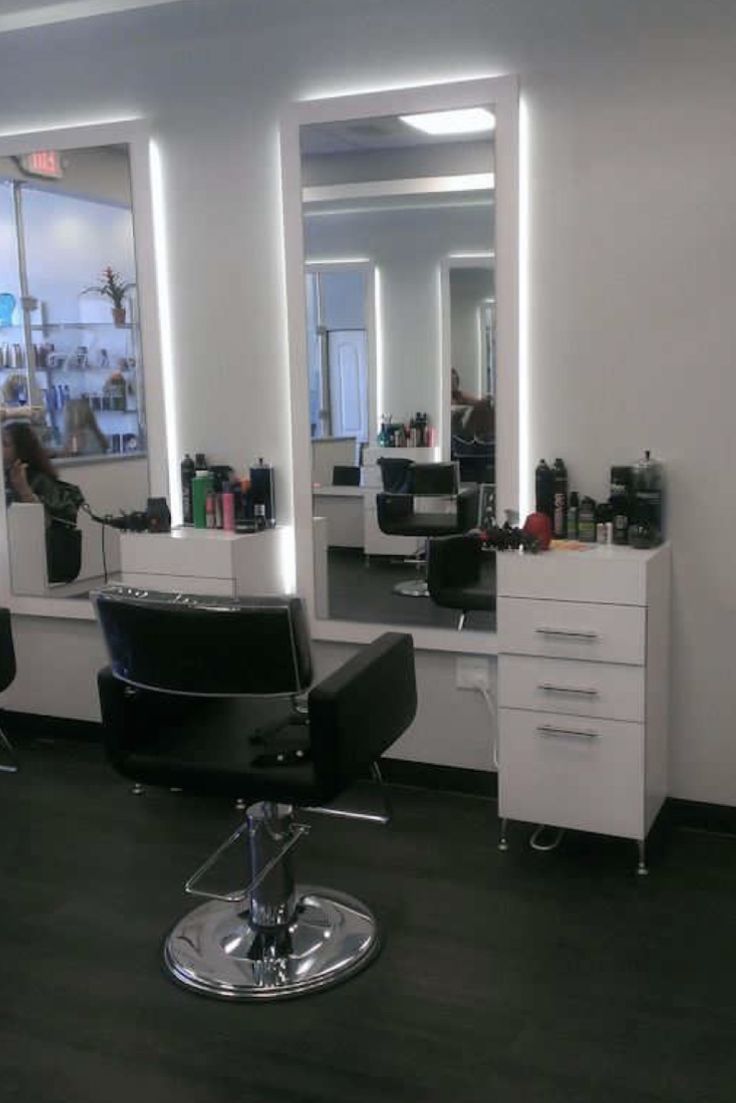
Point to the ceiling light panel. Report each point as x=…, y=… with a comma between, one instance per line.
x=467, y=120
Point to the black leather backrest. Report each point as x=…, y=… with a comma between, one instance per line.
x=434, y=478
x=345, y=475
x=206, y=645
x=395, y=474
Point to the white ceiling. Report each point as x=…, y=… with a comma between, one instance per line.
x=17, y=14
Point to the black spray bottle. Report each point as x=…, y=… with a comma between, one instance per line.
x=544, y=483
x=559, y=519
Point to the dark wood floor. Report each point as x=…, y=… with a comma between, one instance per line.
x=518, y=977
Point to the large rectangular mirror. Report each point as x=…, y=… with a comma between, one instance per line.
x=72, y=395
x=400, y=396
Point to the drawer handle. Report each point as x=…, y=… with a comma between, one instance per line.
x=567, y=689
x=568, y=633
x=548, y=729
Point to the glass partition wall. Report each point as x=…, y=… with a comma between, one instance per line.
x=70, y=353
x=75, y=439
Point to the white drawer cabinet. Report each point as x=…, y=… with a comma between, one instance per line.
x=583, y=689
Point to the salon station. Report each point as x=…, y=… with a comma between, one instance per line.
x=321, y=689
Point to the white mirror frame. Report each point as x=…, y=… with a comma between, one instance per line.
x=135, y=134
x=503, y=93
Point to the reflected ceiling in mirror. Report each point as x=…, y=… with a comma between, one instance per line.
x=386, y=206
x=71, y=372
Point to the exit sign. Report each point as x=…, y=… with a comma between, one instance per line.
x=44, y=162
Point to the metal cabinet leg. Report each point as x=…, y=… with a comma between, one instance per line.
x=641, y=868
x=503, y=843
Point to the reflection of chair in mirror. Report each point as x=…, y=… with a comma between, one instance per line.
x=461, y=574
x=201, y=695
x=345, y=475
x=7, y=676
x=395, y=474
x=434, y=505
x=475, y=457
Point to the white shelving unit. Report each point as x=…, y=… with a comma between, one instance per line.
x=75, y=360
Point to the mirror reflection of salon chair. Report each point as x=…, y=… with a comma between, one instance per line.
x=203, y=694
x=475, y=458
x=461, y=574
x=344, y=474
x=434, y=504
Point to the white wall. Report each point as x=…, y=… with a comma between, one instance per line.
x=468, y=288
x=632, y=157
x=407, y=247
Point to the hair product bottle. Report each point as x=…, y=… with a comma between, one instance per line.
x=228, y=508
x=544, y=482
x=573, y=511
x=262, y=489
x=187, y=474
x=621, y=502
x=201, y=487
x=559, y=520
x=210, y=510
x=586, y=521
x=648, y=480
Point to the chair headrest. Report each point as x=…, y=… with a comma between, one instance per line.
x=209, y=646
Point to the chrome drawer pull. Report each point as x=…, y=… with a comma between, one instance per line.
x=548, y=729
x=567, y=689
x=568, y=633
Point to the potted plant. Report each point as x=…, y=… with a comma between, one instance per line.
x=112, y=286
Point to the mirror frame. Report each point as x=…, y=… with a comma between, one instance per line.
x=503, y=93
x=136, y=135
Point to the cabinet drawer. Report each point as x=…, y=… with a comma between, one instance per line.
x=570, y=772
x=604, y=573
x=572, y=630
x=610, y=690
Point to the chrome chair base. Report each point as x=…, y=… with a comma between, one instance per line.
x=215, y=951
x=414, y=588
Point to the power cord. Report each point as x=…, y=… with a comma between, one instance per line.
x=552, y=844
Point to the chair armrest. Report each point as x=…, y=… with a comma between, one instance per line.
x=357, y=713
x=467, y=507
x=453, y=561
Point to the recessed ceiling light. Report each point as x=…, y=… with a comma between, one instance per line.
x=466, y=120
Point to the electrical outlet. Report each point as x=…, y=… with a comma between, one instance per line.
x=473, y=672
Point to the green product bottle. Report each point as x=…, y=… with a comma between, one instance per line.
x=202, y=485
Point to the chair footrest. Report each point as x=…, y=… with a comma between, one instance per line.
x=295, y=834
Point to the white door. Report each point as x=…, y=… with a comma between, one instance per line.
x=348, y=364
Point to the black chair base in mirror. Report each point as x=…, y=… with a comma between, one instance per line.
x=201, y=695
x=9, y=761
x=461, y=574
x=431, y=485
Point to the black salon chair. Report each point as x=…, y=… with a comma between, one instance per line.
x=202, y=694
x=7, y=677
x=433, y=505
x=461, y=574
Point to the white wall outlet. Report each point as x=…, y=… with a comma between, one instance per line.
x=473, y=672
